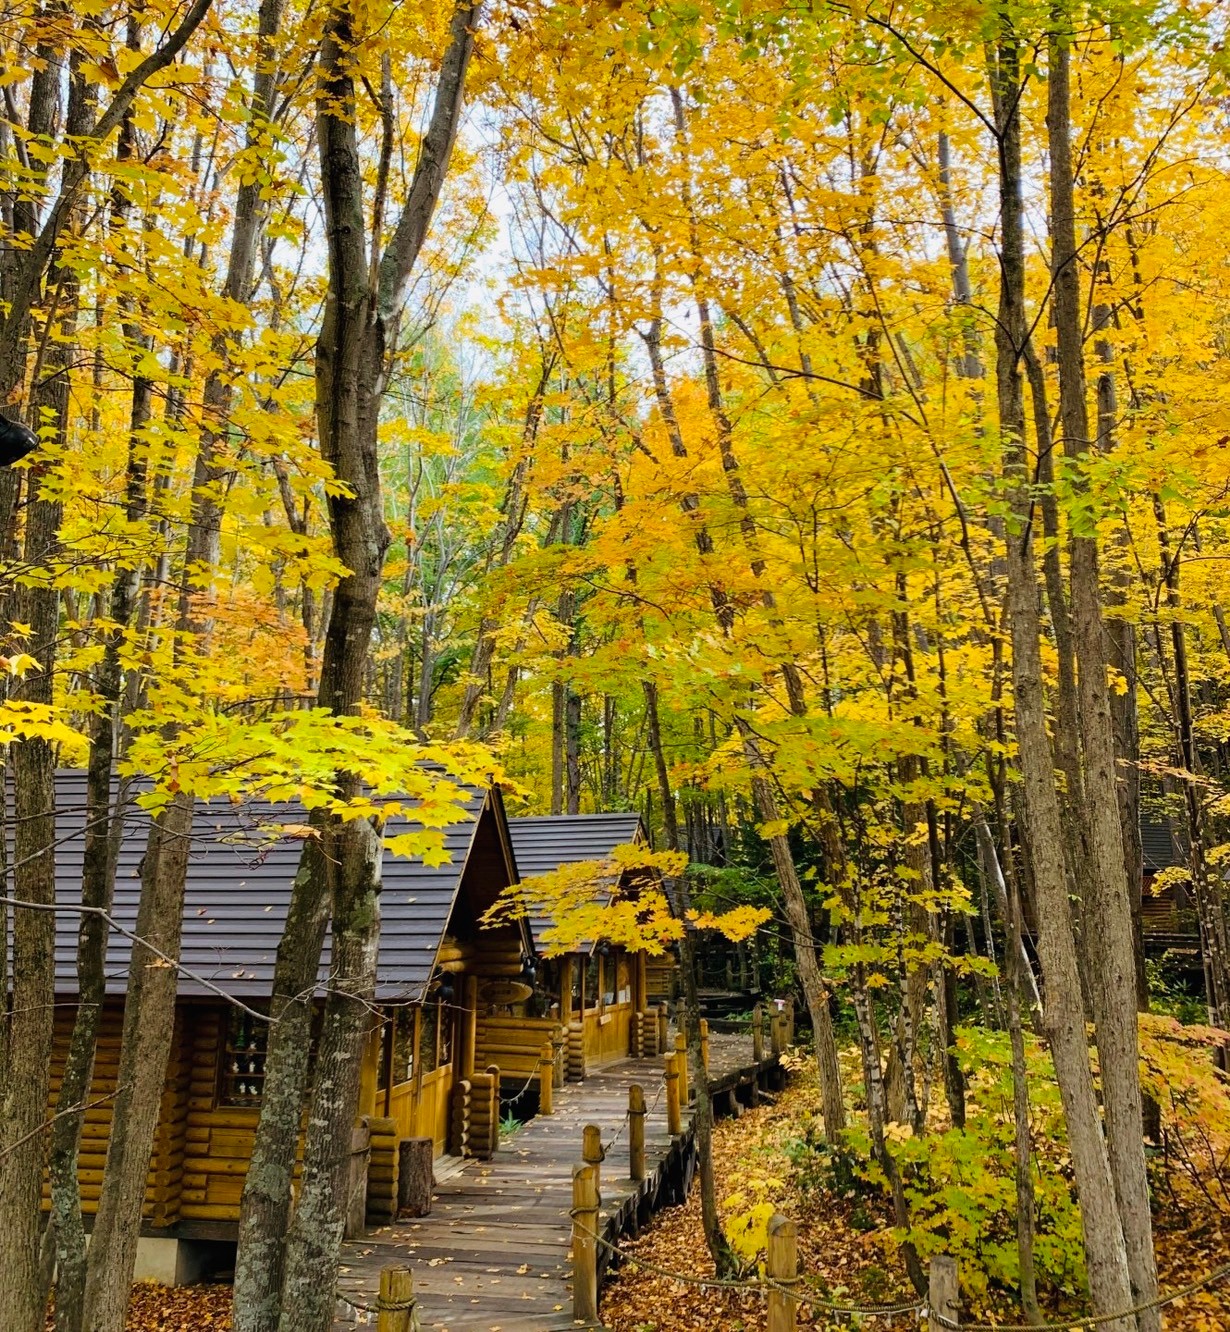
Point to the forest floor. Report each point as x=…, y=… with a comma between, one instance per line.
x=847, y=1249
x=846, y=1246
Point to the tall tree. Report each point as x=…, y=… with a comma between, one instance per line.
x=366, y=293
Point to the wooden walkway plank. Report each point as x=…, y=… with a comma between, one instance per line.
x=493, y=1254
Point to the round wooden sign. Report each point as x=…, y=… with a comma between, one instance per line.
x=505, y=991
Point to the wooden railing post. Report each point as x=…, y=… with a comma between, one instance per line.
x=396, y=1288
x=592, y=1153
x=782, y=1268
x=559, y=1048
x=663, y=1029
x=636, y=1131
x=704, y=1044
x=584, y=1245
x=776, y=1033
x=681, y=1056
x=943, y=1293
x=546, y=1079
x=758, y=1033
x=674, y=1120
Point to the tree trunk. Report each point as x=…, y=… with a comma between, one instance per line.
x=30, y=1018
x=266, y=1205
x=360, y=326
x=719, y=1248
x=1105, y=1252
x=1210, y=905
x=1108, y=934
x=103, y=833
x=1023, y=1144
x=653, y=736
x=149, y=1021
x=29, y=1007
x=149, y=1008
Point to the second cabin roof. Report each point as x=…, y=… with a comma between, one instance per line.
x=544, y=842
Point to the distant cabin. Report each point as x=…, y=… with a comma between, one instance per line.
x=603, y=997
x=421, y=1074
x=1168, y=913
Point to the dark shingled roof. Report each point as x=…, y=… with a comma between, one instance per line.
x=238, y=893
x=544, y=842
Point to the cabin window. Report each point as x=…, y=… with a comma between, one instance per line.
x=445, y=1026
x=576, y=978
x=623, y=973
x=243, y=1059
x=608, y=981
x=593, y=977
x=435, y=1034
x=397, y=1062
x=428, y=1034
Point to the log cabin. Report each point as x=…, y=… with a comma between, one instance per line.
x=421, y=1075
x=603, y=998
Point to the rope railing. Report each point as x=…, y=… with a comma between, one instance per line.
x=751, y=1285
x=781, y=1280
x=1091, y=1320
x=529, y=1082
x=791, y=1287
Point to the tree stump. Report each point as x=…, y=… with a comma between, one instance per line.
x=414, y=1176
x=360, y=1153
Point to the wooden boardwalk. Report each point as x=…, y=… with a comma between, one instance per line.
x=493, y=1254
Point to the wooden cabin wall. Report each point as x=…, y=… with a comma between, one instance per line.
x=419, y=1105
x=219, y=1138
x=431, y=1113
x=513, y=1044
x=164, y=1183
x=605, y=1028
x=662, y=979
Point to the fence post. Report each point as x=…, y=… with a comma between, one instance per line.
x=592, y=1153
x=943, y=1293
x=758, y=1034
x=584, y=1245
x=396, y=1287
x=776, y=1033
x=674, y=1123
x=783, y=1269
x=663, y=1029
x=681, y=1061
x=704, y=1044
x=636, y=1131
x=546, y=1079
